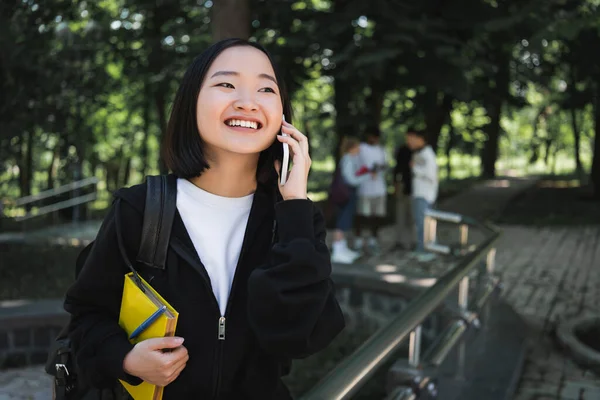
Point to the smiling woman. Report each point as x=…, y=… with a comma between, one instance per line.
x=227, y=91
x=244, y=92
x=248, y=269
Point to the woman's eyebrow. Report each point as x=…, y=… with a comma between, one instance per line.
x=225, y=73
x=269, y=77
x=234, y=73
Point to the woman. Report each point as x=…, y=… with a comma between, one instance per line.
x=278, y=300
x=352, y=174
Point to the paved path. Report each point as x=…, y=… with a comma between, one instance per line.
x=551, y=274
x=30, y=383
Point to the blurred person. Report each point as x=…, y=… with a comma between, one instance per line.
x=352, y=174
x=405, y=225
x=424, y=186
x=372, y=193
x=245, y=250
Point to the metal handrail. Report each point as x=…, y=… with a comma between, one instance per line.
x=55, y=191
x=16, y=207
x=351, y=374
x=58, y=206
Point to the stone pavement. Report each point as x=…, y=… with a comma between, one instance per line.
x=30, y=383
x=551, y=274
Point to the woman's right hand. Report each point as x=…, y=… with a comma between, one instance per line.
x=149, y=362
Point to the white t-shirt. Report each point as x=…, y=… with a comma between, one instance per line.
x=425, y=174
x=350, y=164
x=370, y=155
x=216, y=226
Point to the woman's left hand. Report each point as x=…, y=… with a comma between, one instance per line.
x=297, y=182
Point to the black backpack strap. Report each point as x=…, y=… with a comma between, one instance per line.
x=161, y=203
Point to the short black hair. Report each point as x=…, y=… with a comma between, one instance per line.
x=373, y=130
x=183, y=147
x=417, y=132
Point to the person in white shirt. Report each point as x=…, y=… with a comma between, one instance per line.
x=372, y=193
x=424, y=186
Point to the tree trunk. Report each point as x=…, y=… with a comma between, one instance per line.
x=449, y=146
x=577, y=144
x=157, y=62
x=343, y=89
x=52, y=168
x=230, y=19
x=28, y=164
x=343, y=122
x=489, y=155
x=374, y=104
x=595, y=174
x=20, y=158
x=108, y=175
x=535, y=141
x=159, y=99
x=548, y=143
x=146, y=116
x=437, y=112
x=554, y=156
x=126, y=172
x=308, y=133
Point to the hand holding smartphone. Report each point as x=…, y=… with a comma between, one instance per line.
x=285, y=163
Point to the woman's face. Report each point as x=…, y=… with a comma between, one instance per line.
x=354, y=150
x=239, y=107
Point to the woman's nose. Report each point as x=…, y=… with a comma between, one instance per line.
x=246, y=102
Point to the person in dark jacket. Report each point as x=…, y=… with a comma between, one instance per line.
x=250, y=299
x=405, y=226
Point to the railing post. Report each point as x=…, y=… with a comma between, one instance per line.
x=430, y=230
x=414, y=347
x=464, y=234
x=490, y=261
x=463, y=293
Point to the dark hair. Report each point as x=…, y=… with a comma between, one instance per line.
x=373, y=131
x=183, y=147
x=411, y=129
x=417, y=132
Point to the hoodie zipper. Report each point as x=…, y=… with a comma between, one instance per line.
x=223, y=319
x=221, y=327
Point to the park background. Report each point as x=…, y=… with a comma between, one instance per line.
x=507, y=91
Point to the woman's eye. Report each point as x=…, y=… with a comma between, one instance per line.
x=267, y=89
x=226, y=85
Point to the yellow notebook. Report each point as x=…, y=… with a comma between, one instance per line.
x=136, y=307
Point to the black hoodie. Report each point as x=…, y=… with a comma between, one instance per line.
x=281, y=306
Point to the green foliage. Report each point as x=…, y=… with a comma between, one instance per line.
x=87, y=85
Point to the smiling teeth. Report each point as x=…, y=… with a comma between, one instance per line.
x=242, y=123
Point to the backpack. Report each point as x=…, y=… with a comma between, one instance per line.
x=159, y=212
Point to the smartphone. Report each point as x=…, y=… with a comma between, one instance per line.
x=285, y=163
